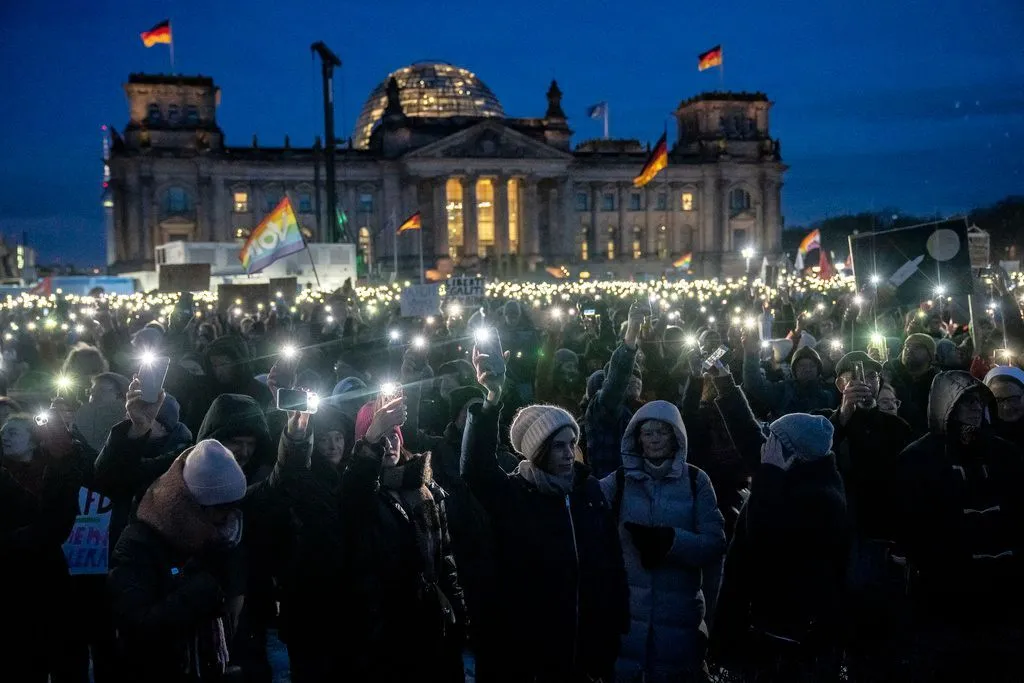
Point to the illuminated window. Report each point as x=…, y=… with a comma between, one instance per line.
x=638, y=233
x=484, y=214
x=241, y=202
x=305, y=203
x=271, y=199
x=661, y=242
x=636, y=202
x=585, y=242
x=453, y=206
x=242, y=233
x=686, y=201
x=739, y=201
x=365, y=244
x=608, y=201
x=176, y=201
x=365, y=202
x=662, y=202
x=611, y=242
x=513, y=216
x=583, y=201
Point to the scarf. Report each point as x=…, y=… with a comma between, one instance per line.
x=657, y=469
x=545, y=483
x=407, y=483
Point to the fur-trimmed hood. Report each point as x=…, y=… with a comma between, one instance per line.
x=632, y=458
x=170, y=509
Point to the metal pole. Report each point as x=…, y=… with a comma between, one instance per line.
x=420, y=231
x=329, y=61
x=605, y=120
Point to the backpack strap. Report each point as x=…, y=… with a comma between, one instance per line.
x=693, y=470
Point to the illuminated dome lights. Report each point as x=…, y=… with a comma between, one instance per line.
x=428, y=89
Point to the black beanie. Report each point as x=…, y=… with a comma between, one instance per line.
x=807, y=352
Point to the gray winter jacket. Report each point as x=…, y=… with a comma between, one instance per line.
x=667, y=603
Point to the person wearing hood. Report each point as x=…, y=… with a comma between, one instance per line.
x=1007, y=386
x=607, y=413
x=40, y=476
x=174, y=581
x=780, y=610
x=559, y=574
x=911, y=376
x=558, y=379
x=227, y=370
x=961, y=524
x=804, y=393
x=673, y=540
x=388, y=581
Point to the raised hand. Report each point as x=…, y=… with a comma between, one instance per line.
x=141, y=414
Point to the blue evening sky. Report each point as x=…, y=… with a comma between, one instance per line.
x=914, y=104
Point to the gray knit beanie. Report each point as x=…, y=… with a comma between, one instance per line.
x=533, y=425
x=806, y=437
x=212, y=474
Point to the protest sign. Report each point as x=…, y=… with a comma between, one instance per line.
x=914, y=264
x=420, y=300
x=87, y=546
x=465, y=290
x=184, y=277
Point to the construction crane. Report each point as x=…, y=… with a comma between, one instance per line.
x=328, y=62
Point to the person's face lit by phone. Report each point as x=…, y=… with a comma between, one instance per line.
x=223, y=368
x=887, y=401
x=871, y=378
x=392, y=449
x=331, y=446
x=634, y=388
x=242, y=447
x=16, y=437
x=104, y=391
x=561, y=454
x=1009, y=399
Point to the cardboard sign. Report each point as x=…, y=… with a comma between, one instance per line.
x=466, y=290
x=419, y=301
x=229, y=296
x=86, y=549
x=980, y=243
x=914, y=264
x=184, y=277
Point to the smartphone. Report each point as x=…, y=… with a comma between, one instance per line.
x=488, y=342
x=716, y=355
x=297, y=401
x=152, y=376
x=858, y=374
x=589, y=312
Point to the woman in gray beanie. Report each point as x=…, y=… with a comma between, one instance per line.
x=560, y=581
x=780, y=616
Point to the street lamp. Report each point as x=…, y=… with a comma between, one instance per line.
x=748, y=253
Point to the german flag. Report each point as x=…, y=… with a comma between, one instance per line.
x=710, y=59
x=410, y=223
x=161, y=33
x=657, y=161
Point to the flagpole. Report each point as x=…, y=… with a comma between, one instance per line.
x=312, y=263
x=394, y=226
x=420, y=231
x=606, y=121
x=721, y=72
x=169, y=25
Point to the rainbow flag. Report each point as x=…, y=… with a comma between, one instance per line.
x=811, y=242
x=161, y=33
x=684, y=262
x=710, y=59
x=655, y=162
x=275, y=237
x=411, y=223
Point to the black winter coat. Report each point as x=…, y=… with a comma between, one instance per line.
x=785, y=570
x=562, y=601
x=961, y=515
x=384, y=615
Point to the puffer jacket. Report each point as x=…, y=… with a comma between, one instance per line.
x=961, y=515
x=667, y=603
x=561, y=599
x=785, y=396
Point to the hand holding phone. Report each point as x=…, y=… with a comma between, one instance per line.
x=297, y=401
x=152, y=373
x=488, y=344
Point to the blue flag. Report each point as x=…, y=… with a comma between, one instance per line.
x=598, y=110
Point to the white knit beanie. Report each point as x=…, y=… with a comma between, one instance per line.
x=533, y=425
x=212, y=474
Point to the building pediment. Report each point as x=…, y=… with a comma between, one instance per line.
x=488, y=140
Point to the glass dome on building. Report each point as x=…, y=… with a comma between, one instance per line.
x=434, y=89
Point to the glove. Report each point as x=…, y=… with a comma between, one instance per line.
x=652, y=542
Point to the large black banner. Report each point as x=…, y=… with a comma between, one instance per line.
x=916, y=263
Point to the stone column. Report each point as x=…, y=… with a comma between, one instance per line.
x=650, y=244
x=409, y=242
x=772, y=228
x=594, y=236
x=553, y=239
x=531, y=215
x=469, y=233
x=709, y=208
x=674, y=219
x=501, y=236
x=569, y=223
x=625, y=250
x=723, y=233
x=439, y=216
x=206, y=213
x=149, y=221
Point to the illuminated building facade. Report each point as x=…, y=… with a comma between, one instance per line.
x=496, y=194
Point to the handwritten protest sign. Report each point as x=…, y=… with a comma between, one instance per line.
x=420, y=300
x=465, y=290
x=86, y=547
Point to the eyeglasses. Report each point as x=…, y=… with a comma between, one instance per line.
x=889, y=403
x=1014, y=400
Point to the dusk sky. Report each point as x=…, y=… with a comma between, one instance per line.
x=878, y=103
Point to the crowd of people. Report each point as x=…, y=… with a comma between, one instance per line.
x=616, y=482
